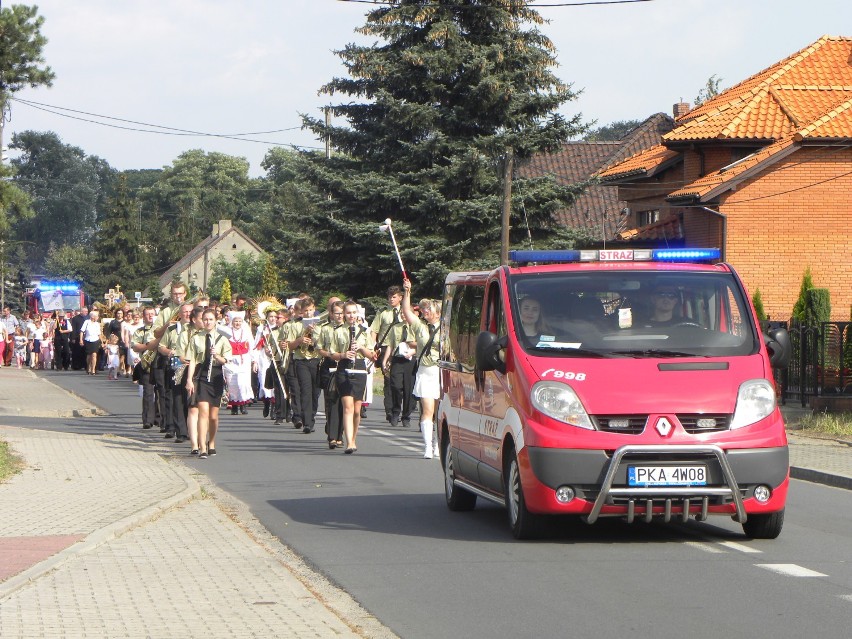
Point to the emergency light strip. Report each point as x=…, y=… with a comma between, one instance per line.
x=618, y=255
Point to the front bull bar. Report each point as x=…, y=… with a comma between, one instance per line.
x=732, y=490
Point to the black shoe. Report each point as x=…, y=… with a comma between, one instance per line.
x=163, y=429
x=307, y=429
x=388, y=417
x=179, y=439
x=363, y=412
x=406, y=423
x=170, y=435
x=394, y=421
x=265, y=408
x=147, y=426
x=298, y=424
x=277, y=422
x=243, y=410
x=234, y=410
x=212, y=452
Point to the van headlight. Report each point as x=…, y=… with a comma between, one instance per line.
x=560, y=402
x=755, y=400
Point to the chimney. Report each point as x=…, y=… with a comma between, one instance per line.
x=680, y=109
x=224, y=225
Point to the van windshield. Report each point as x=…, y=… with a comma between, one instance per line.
x=632, y=314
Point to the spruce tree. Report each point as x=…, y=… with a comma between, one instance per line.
x=119, y=254
x=434, y=108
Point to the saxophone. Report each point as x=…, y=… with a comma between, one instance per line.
x=147, y=359
x=304, y=349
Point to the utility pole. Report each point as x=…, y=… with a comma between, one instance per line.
x=508, y=164
x=2, y=273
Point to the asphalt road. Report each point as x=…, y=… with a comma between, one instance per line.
x=376, y=524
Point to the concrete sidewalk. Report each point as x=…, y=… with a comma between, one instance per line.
x=106, y=536
x=102, y=536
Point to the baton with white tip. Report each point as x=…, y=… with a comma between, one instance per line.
x=387, y=227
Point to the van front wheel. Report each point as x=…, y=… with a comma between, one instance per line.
x=522, y=522
x=764, y=526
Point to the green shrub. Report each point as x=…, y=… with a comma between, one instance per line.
x=800, y=307
x=757, y=300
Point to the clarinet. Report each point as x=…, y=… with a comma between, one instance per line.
x=210, y=367
x=353, y=343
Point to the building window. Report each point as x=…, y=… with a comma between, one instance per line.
x=644, y=218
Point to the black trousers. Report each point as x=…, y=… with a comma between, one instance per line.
x=174, y=415
x=78, y=355
x=159, y=378
x=150, y=410
x=305, y=395
x=388, y=393
x=281, y=406
x=61, y=353
x=402, y=385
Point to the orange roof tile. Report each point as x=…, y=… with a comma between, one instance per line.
x=774, y=103
x=837, y=123
x=712, y=183
x=668, y=229
x=647, y=162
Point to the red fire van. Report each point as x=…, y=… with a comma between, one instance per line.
x=627, y=383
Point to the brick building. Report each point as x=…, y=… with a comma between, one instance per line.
x=764, y=171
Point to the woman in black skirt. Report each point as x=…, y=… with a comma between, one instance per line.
x=351, y=348
x=208, y=351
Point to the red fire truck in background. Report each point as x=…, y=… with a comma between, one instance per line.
x=47, y=296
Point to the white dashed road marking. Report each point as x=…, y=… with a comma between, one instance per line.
x=791, y=570
x=740, y=547
x=710, y=548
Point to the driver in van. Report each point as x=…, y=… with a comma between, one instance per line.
x=664, y=299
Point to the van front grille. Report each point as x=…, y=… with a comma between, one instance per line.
x=627, y=424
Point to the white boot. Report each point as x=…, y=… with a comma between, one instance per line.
x=426, y=429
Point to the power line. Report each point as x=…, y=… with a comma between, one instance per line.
x=56, y=110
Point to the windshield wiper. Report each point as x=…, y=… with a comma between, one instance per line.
x=654, y=352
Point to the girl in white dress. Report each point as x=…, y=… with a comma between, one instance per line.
x=238, y=369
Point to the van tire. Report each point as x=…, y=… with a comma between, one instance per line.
x=523, y=524
x=764, y=526
x=458, y=499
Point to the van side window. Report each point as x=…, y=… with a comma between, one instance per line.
x=495, y=320
x=466, y=311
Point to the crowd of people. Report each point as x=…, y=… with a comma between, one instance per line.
x=191, y=358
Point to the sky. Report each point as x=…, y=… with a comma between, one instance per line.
x=253, y=66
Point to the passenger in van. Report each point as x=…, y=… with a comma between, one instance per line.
x=532, y=319
x=664, y=300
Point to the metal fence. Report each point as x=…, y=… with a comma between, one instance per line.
x=821, y=364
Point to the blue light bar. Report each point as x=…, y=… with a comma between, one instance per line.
x=65, y=287
x=544, y=256
x=686, y=255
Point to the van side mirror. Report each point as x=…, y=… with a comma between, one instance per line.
x=780, y=347
x=488, y=347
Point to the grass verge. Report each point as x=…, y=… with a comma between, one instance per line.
x=834, y=424
x=10, y=463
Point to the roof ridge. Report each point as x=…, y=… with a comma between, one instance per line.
x=782, y=66
x=729, y=128
x=832, y=113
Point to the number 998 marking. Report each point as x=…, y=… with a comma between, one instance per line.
x=557, y=374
